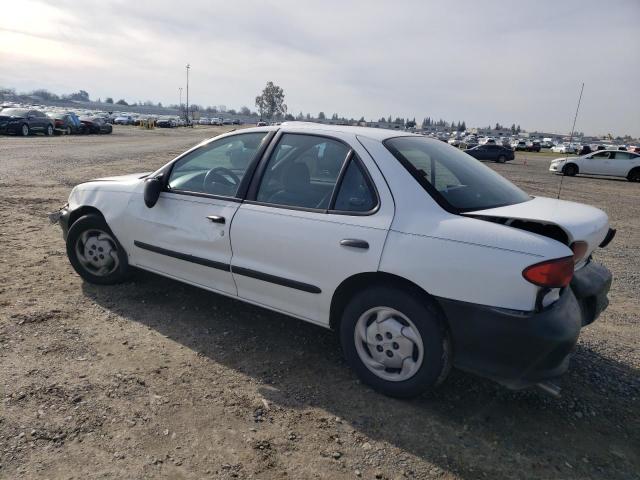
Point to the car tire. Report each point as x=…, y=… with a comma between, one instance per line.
x=570, y=170
x=25, y=131
x=48, y=131
x=634, y=175
x=95, y=253
x=67, y=131
x=402, y=328
x=501, y=159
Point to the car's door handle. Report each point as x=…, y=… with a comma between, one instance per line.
x=216, y=218
x=355, y=243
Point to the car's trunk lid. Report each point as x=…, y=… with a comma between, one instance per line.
x=542, y=215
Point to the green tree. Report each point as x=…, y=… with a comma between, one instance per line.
x=121, y=102
x=108, y=100
x=245, y=111
x=289, y=117
x=271, y=102
x=321, y=116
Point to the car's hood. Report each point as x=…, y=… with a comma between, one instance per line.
x=579, y=221
x=123, y=178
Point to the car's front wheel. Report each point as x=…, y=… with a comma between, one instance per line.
x=95, y=253
x=49, y=131
x=570, y=170
x=501, y=159
x=396, y=342
x=24, y=130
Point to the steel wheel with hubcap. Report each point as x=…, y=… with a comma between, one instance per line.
x=94, y=251
x=49, y=131
x=25, y=130
x=395, y=340
x=388, y=343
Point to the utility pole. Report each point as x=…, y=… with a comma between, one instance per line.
x=180, y=90
x=188, y=67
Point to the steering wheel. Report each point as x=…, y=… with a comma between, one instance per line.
x=220, y=175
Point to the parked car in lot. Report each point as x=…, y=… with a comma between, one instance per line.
x=533, y=146
x=95, y=125
x=63, y=123
x=167, y=123
x=563, y=148
x=418, y=255
x=22, y=121
x=495, y=153
x=123, y=120
x=614, y=163
x=519, y=145
x=204, y=121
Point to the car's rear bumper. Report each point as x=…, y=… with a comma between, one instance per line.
x=61, y=217
x=519, y=349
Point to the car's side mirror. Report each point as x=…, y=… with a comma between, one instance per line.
x=152, y=189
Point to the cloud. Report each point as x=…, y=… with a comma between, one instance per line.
x=483, y=62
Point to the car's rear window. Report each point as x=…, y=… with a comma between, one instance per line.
x=459, y=182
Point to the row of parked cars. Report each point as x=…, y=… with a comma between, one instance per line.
x=28, y=121
x=219, y=121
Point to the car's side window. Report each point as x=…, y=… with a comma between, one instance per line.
x=218, y=167
x=621, y=156
x=302, y=171
x=356, y=193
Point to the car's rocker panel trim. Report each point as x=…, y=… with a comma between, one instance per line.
x=245, y=272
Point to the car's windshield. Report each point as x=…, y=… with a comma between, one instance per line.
x=458, y=181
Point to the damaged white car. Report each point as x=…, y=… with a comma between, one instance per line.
x=420, y=256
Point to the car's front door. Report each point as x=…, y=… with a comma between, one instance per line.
x=186, y=233
x=597, y=163
x=313, y=217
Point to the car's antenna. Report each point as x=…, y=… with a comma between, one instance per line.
x=570, y=140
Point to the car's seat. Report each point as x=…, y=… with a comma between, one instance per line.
x=296, y=183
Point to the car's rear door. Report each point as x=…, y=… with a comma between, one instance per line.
x=186, y=233
x=317, y=212
x=620, y=163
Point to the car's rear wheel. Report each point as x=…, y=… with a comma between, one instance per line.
x=68, y=131
x=634, y=175
x=49, y=131
x=95, y=253
x=24, y=130
x=570, y=170
x=501, y=159
x=396, y=343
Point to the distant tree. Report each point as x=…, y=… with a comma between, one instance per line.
x=121, y=102
x=231, y=111
x=289, y=117
x=518, y=129
x=463, y=127
x=245, y=111
x=271, y=102
x=222, y=108
x=300, y=116
x=361, y=119
x=159, y=104
x=513, y=128
x=80, y=95
x=321, y=116
x=308, y=116
x=410, y=124
x=45, y=94
x=334, y=116
x=108, y=100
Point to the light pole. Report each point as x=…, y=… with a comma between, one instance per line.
x=180, y=89
x=188, y=67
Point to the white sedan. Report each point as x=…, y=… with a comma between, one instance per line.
x=420, y=256
x=563, y=148
x=614, y=163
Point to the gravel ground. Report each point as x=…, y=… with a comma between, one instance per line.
x=155, y=379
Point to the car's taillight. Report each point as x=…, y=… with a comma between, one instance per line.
x=579, y=250
x=552, y=273
x=58, y=123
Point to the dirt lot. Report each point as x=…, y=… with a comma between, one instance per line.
x=155, y=379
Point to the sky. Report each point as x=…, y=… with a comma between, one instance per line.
x=479, y=61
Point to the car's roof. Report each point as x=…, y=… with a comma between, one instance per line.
x=379, y=134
